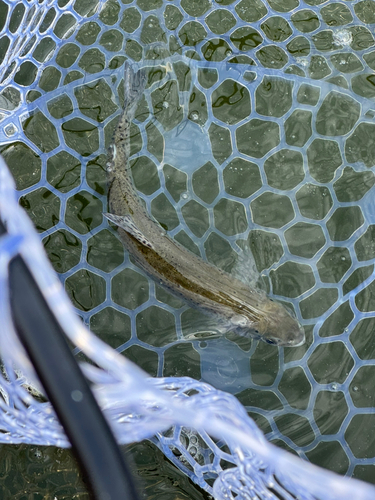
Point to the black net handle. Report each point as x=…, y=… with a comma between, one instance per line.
x=104, y=467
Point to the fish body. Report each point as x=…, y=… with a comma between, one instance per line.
x=247, y=310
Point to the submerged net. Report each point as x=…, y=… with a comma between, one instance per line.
x=255, y=137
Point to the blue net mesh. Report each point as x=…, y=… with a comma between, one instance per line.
x=253, y=147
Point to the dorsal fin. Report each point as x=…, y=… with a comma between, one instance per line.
x=127, y=224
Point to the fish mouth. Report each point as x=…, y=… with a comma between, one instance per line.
x=295, y=341
x=301, y=338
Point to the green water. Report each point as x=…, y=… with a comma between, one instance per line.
x=49, y=473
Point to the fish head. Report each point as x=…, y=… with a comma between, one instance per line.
x=276, y=326
x=279, y=326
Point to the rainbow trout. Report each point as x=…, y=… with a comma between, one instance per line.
x=246, y=310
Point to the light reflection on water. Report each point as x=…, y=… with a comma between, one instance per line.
x=187, y=147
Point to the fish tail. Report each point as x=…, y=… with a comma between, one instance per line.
x=134, y=86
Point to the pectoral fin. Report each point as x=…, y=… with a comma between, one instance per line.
x=127, y=224
x=204, y=335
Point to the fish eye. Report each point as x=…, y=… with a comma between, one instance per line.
x=271, y=341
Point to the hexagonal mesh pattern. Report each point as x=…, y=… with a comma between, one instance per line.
x=256, y=133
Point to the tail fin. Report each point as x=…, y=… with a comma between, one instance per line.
x=134, y=85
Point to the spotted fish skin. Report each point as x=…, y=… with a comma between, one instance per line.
x=242, y=308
